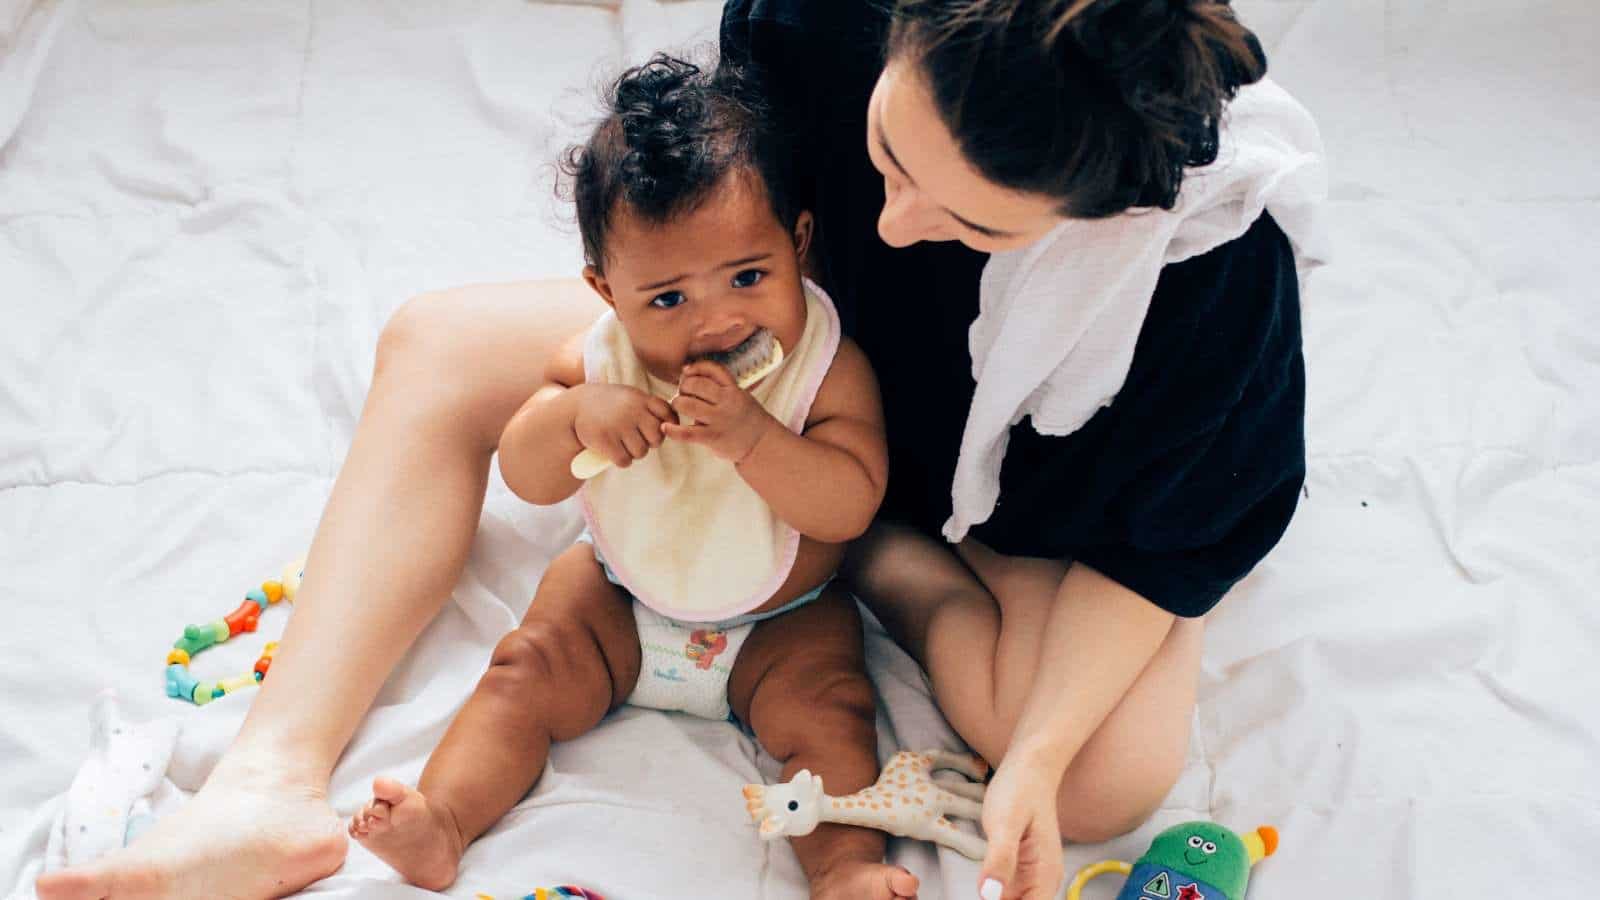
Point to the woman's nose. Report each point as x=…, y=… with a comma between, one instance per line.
x=907, y=219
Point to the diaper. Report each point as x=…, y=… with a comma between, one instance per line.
x=684, y=666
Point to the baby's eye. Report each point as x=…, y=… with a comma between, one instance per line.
x=748, y=278
x=1209, y=847
x=1196, y=841
x=668, y=300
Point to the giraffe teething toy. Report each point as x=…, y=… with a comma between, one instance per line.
x=905, y=801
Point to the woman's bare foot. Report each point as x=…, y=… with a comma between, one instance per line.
x=860, y=880
x=420, y=841
x=251, y=833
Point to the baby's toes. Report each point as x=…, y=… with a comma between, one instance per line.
x=372, y=817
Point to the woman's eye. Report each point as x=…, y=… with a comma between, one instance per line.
x=1195, y=841
x=667, y=300
x=748, y=278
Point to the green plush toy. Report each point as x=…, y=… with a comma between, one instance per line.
x=1192, y=861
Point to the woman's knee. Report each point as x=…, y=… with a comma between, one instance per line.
x=417, y=333
x=424, y=362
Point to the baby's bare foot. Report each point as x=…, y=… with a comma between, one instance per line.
x=419, y=841
x=249, y=834
x=859, y=880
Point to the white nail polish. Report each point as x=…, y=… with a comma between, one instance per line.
x=992, y=889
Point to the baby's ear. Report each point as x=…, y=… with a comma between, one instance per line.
x=803, y=227
x=597, y=280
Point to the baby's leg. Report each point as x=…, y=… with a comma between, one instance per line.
x=573, y=659
x=801, y=682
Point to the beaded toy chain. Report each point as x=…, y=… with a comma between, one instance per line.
x=183, y=686
x=554, y=894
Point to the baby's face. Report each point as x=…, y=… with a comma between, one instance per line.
x=705, y=281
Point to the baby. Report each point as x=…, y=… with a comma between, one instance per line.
x=702, y=583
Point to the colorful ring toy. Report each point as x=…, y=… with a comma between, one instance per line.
x=197, y=638
x=554, y=894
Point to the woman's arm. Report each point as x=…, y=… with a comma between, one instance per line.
x=1110, y=635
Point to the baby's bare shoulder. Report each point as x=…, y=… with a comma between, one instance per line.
x=849, y=389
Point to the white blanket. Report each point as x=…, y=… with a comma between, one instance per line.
x=207, y=211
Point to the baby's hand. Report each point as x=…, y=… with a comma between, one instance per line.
x=727, y=420
x=619, y=422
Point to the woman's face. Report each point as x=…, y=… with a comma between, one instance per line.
x=931, y=192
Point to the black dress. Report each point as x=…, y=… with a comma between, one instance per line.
x=1180, y=486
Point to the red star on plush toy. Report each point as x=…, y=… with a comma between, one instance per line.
x=1190, y=892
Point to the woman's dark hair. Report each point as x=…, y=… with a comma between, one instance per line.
x=1099, y=103
x=671, y=133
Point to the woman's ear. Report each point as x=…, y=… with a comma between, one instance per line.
x=597, y=280
x=803, y=225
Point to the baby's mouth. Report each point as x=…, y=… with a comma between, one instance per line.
x=730, y=353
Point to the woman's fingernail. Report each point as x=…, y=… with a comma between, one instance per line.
x=992, y=889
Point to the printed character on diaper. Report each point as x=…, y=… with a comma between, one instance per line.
x=704, y=645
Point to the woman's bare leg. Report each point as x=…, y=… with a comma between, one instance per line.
x=975, y=622
x=451, y=369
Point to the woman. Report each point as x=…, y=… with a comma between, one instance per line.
x=1049, y=573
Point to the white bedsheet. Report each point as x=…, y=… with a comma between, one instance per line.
x=207, y=211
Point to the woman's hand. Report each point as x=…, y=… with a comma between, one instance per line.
x=1019, y=818
x=727, y=420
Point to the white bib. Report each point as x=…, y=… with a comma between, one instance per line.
x=680, y=528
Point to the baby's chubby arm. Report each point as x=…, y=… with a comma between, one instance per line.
x=828, y=482
x=564, y=416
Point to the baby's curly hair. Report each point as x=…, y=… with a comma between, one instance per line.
x=672, y=132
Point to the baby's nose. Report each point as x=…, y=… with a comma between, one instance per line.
x=721, y=334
